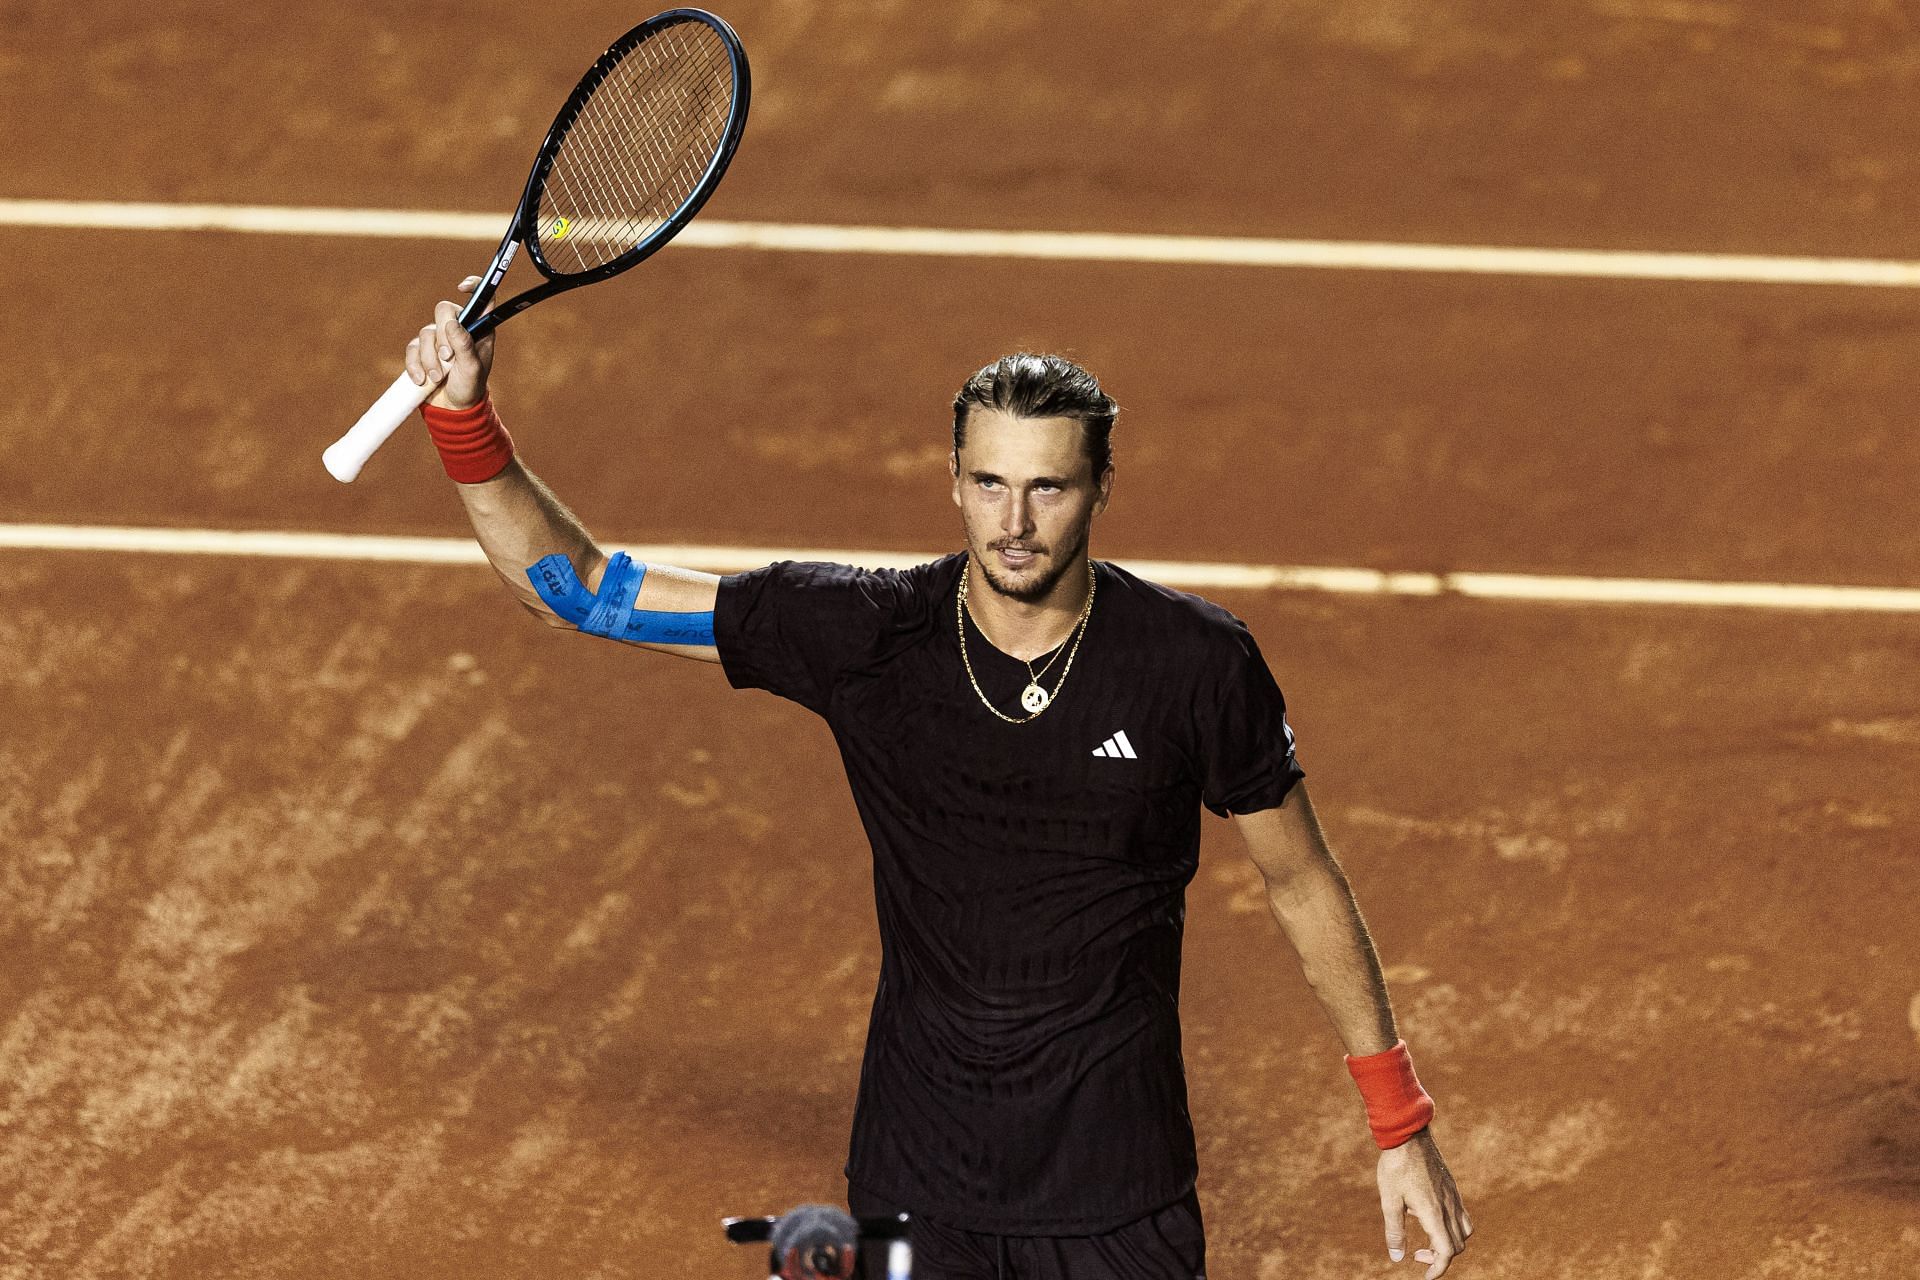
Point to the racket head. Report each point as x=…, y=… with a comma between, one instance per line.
x=638, y=147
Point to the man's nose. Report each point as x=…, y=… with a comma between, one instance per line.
x=1016, y=520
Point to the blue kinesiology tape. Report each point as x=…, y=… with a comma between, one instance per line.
x=610, y=612
x=619, y=586
x=562, y=589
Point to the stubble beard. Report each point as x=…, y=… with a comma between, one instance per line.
x=1039, y=587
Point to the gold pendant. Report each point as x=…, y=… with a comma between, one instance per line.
x=1035, y=699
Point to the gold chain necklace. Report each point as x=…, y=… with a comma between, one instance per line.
x=1033, y=697
x=1033, y=677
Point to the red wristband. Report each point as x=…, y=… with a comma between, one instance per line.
x=1397, y=1107
x=473, y=445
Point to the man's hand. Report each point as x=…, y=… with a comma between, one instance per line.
x=1414, y=1178
x=445, y=353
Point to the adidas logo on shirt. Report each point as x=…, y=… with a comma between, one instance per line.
x=1116, y=748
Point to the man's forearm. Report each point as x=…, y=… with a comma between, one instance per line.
x=1317, y=912
x=518, y=521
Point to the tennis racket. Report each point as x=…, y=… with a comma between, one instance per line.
x=639, y=146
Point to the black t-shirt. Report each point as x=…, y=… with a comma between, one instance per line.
x=1022, y=1070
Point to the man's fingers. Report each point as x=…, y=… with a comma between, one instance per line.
x=457, y=336
x=455, y=342
x=1395, y=1211
x=484, y=347
x=1459, y=1226
x=1440, y=1242
x=429, y=349
x=445, y=358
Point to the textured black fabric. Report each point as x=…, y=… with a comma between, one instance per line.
x=1168, y=1244
x=1022, y=1071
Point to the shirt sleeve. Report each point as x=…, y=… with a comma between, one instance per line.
x=1245, y=739
x=794, y=629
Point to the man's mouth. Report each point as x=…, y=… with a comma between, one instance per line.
x=1017, y=557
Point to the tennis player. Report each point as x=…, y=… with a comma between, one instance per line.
x=1030, y=735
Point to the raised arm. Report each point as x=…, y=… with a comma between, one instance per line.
x=517, y=519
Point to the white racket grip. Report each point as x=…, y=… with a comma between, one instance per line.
x=345, y=456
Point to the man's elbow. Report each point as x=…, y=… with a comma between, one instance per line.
x=1306, y=887
x=527, y=598
x=1292, y=860
x=539, y=610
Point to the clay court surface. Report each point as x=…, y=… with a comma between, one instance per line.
x=356, y=925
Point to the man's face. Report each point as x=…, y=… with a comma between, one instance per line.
x=1028, y=496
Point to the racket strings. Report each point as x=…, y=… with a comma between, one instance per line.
x=665, y=159
x=647, y=152
x=605, y=172
x=614, y=181
x=637, y=149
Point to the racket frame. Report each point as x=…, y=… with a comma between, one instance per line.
x=524, y=229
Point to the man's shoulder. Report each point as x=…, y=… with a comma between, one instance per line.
x=935, y=576
x=1180, y=613
x=900, y=584
x=909, y=588
x=794, y=626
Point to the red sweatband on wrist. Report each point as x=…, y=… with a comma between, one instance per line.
x=1397, y=1107
x=473, y=445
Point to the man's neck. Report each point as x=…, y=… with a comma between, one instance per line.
x=1028, y=629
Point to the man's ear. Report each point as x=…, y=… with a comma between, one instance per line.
x=1106, y=489
x=953, y=469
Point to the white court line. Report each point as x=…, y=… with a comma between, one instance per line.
x=1184, y=574
x=1240, y=251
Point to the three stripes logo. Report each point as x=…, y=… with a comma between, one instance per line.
x=1116, y=748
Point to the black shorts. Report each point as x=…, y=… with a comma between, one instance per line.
x=1169, y=1244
